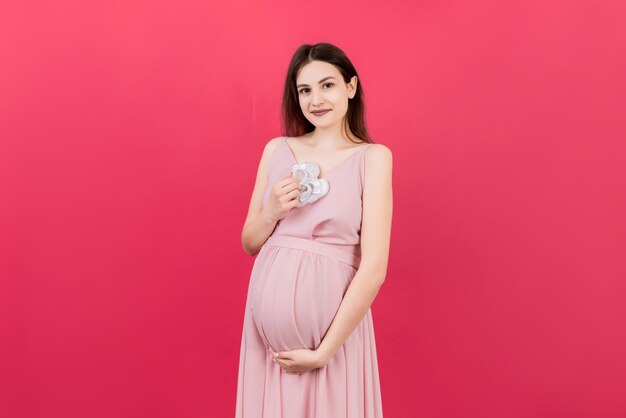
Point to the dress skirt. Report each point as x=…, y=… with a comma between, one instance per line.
x=296, y=287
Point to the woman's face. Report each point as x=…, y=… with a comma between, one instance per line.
x=321, y=87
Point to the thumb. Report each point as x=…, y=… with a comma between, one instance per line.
x=283, y=355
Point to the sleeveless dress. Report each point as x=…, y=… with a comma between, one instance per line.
x=296, y=285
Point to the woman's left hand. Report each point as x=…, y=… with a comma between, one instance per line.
x=298, y=361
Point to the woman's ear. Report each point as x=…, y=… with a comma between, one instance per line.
x=352, y=86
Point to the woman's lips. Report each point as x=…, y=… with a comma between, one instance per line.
x=321, y=113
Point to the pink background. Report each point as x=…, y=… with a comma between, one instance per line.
x=130, y=134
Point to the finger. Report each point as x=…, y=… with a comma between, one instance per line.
x=284, y=181
x=282, y=365
x=292, y=194
x=282, y=361
x=289, y=187
x=286, y=198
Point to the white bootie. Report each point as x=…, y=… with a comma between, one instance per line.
x=312, y=188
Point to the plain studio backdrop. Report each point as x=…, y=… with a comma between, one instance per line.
x=130, y=133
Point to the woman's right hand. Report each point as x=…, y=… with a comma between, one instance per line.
x=282, y=197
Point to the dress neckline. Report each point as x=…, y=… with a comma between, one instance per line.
x=323, y=175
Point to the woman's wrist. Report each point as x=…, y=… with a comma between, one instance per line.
x=267, y=217
x=324, y=355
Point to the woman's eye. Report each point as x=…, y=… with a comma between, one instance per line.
x=301, y=91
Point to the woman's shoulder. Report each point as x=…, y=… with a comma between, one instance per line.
x=273, y=143
x=378, y=151
x=270, y=147
x=379, y=156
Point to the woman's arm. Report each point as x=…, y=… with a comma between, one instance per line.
x=375, y=237
x=259, y=225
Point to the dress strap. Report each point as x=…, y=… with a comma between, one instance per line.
x=362, y=165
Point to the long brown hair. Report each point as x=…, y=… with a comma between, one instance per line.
x=294, y=122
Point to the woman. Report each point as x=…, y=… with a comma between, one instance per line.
x=320, y=221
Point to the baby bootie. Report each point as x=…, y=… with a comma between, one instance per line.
x=312, y=188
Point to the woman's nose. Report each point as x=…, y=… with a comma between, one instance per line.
x=316, y=97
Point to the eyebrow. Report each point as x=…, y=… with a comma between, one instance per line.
x=321, y=81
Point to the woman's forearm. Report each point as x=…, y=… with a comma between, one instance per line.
x=255, y=233
x=354, y=305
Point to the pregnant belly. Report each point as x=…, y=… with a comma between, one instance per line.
x=296, y=296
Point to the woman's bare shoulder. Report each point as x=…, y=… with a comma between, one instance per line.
x=378, y=153
x=271, y=145
x=379, y=161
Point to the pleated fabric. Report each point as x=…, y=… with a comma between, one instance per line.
x=296, y=286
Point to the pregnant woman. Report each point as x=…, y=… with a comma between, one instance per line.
x=319, y=222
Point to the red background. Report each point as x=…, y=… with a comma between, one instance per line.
x=130, y=134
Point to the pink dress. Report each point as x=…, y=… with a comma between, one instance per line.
x=296, y=285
